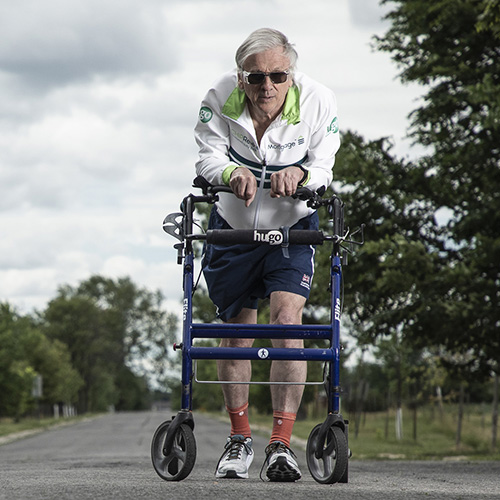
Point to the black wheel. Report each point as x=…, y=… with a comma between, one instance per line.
x=178, y=464
x=331, y=467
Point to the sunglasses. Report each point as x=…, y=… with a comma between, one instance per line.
x=258, y=78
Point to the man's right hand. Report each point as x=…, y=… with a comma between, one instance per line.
x=244, y=184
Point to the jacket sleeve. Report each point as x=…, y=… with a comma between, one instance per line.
x=324, y=142
x=212, y=136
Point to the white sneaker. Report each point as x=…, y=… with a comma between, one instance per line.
x=236, y=459
x=281, y=463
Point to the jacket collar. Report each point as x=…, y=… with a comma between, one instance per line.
x=236, y=102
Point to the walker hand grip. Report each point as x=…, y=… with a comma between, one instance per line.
x=263, y=236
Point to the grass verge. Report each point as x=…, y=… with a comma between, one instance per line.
x=375, y=437
x=11, y=430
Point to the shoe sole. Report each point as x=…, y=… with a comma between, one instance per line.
x=280, y=471
x=231, y=474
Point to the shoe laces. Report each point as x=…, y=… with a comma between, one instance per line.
x=234, y=448
x=278, y=447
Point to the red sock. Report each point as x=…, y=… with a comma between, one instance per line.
x=282, y=427
x=239, y=421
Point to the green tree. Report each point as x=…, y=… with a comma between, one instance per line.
x=51, y=360
x=79, y=324
x=26, y=352
x=490, y=17
x=117, y=334
x=141, y=327
x=386, y=283
x=16, y=374
x=451, y=48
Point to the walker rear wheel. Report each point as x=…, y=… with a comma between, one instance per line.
x=332, y=465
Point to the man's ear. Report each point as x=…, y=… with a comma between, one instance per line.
x=240, y=82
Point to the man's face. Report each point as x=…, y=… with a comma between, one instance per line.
x=267, y=98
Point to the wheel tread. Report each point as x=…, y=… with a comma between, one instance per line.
x=332, y=467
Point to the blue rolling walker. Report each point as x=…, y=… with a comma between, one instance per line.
x=173, y=447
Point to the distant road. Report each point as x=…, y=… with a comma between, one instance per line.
x=108, y=457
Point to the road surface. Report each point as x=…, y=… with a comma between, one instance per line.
x=108, y=457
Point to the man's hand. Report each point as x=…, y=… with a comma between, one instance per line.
x=285, y=181
x=244, y=184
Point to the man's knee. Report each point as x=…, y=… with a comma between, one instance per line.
x=288, y=316
x=288, y=343
x=286, y=308
x=233, y=342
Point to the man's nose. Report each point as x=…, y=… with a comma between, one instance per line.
x=267, y=83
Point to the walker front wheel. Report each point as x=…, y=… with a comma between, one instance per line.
x=175, y=464
x=332, y=465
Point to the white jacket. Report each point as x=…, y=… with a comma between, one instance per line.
x=306, y=133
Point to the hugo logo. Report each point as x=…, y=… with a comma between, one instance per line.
x=271, y=237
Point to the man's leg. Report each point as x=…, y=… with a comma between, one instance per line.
x=236, y=395
x=286, y=309
x=238, y=454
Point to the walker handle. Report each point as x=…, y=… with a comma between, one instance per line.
x=302, y=193
x=264, y=236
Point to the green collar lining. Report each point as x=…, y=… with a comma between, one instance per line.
x=235, y=104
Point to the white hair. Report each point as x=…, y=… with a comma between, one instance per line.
x=265, y=39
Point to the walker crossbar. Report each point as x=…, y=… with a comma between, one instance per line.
x=261, y=353
x=242, y=331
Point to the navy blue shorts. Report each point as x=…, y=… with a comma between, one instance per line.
x=238, y=275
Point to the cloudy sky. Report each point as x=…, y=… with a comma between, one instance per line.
x=98, y=100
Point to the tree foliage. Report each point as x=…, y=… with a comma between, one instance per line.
x=25, y=352
x=118, y=337
x=452, y=48
x=387, y=282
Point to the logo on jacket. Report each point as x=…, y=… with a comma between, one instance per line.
x=333, y=128
x=281, y=147
x=206, y=114
x=244, y=139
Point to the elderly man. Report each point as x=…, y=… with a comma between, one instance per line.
x=264, y=130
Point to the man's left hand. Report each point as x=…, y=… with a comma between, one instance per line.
x=285, y=181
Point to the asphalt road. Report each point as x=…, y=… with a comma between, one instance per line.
x=109, y=457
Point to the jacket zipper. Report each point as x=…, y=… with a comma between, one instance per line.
x=259, y=195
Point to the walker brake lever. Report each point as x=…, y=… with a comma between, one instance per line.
x=173, y=226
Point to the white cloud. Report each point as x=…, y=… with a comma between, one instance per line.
x=367, y=14
x=60, y=41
